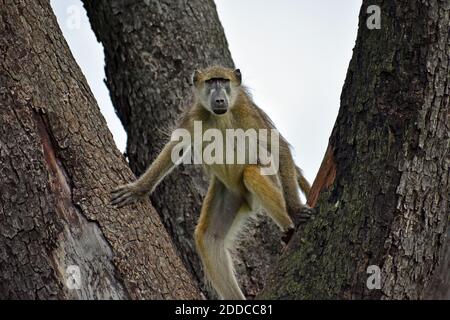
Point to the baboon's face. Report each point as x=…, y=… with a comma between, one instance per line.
x=217, y=93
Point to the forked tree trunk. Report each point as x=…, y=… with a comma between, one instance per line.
x=58, y=163
x=152, y=49
x=383, y=190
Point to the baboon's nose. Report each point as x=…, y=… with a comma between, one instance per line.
x=220, y=102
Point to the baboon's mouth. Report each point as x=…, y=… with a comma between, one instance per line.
x=220, y=111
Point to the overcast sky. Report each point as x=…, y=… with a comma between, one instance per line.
x=293, y=54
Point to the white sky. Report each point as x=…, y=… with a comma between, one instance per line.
x=293, y=54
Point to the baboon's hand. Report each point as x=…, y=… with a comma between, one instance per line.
x=126, y=194
x=301, y=217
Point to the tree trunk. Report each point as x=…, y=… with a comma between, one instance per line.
x=152, y=49
x=383, y=190
x=58, y=163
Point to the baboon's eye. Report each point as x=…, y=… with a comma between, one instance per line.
x=218, y=80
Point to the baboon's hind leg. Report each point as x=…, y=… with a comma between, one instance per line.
x=221, y=216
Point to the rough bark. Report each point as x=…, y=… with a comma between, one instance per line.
x=383, y=190
x=58, y=163
x=151, y=51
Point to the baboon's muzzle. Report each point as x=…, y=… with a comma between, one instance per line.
x=219, y=102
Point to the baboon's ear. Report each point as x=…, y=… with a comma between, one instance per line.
x=238, y=75
x=195, y=77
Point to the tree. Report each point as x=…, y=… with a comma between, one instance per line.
x=382, y=193
x=151, y=50
x=58, y=163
